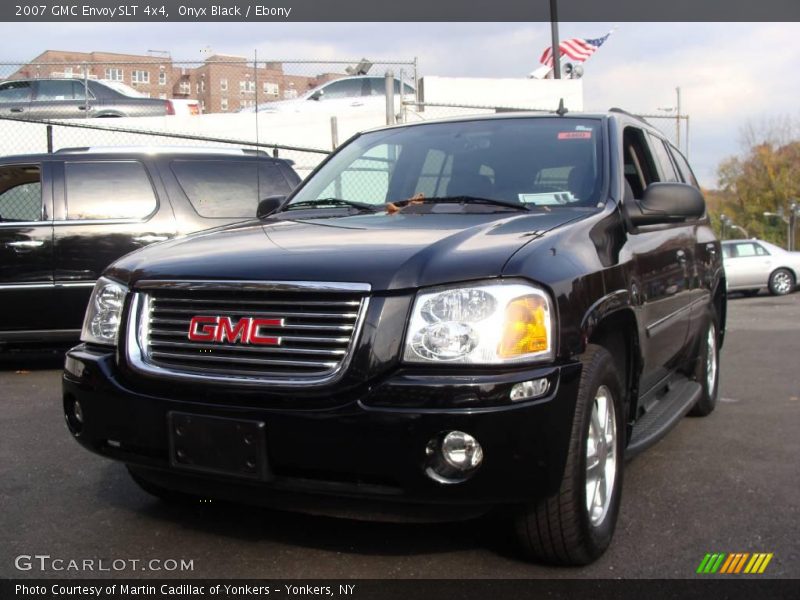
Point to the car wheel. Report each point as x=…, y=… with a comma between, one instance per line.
x=781, y=282
x=160, y=492
x=575, y=525
x=707, y=371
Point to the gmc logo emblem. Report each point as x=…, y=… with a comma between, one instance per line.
x=246, y=330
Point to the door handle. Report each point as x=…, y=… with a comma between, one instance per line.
x=24, y=245
x=17, y=109
x=151, y=238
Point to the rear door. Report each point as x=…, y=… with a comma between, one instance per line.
x=26, y=249
x=106, y=209
x=15, y=98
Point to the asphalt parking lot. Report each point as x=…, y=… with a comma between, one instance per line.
x=726, y=483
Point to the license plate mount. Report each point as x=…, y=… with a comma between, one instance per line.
x=219, y=445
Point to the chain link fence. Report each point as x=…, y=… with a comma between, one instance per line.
x=218, y=84
x=233, y=94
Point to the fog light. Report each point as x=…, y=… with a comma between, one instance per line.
x=527, y=390
x=73, y=412
x=453, y=457
x=462, y=450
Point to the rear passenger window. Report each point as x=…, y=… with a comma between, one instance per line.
x=227, y=188
x=108, y=190
x=665, y=162
x=20, y=193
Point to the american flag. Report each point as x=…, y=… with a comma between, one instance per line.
x=578, y=49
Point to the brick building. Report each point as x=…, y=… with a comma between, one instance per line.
x=221, y=82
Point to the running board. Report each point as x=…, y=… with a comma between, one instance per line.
x=664, y=415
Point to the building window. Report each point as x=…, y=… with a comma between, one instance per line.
x=223, y=85
x=223, y=104
x=140, y=77
x=162, y=78
x=202, y=85
x=114, y=74
x=185, y=87
x=248, y=87
x=271, y=89
x=67, y=71
x=162, y=96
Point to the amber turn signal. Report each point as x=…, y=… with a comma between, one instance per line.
x=526, y=327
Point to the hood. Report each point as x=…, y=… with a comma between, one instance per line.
x=389, y=252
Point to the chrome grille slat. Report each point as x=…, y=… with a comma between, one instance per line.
x=353, y=303
x=181, y=334
x=243, y=360
x=257, y=313
x=301, y=326
x=319, y=325
x=223, y=348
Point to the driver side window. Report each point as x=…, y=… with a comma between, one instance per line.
x=640, y=170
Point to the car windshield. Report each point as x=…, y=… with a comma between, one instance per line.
x=533, y=161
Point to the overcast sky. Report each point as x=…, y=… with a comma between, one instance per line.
x=729, y=73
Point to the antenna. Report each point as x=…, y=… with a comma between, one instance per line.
x=561, y=110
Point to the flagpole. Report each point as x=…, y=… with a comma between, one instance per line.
x=554, y=36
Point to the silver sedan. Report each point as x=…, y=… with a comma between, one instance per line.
x=751, y=265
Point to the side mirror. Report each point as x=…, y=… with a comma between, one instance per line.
x=317, y=95
x=664, y=203
x=269, y=205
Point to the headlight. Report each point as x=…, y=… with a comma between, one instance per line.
x=481, y=325
x=103, y=315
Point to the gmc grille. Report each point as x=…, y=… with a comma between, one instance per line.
x=305, y=331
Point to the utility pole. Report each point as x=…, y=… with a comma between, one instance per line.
x=554, y=35
x=678, y=119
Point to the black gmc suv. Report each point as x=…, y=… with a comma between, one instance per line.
x=66, y=216
x=445, y=318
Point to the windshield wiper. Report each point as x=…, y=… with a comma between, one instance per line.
x=462, y=200
x=331, y=202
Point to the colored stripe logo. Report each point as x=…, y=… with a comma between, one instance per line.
x=734, y=563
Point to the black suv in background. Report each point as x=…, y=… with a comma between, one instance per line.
x=64, y=217
x=445, y=317
x=73, y=99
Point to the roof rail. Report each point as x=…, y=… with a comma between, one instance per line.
x=625, y=112
x=163, y=150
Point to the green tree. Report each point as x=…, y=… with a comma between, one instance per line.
x=765, y=178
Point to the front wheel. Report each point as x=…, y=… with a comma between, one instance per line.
x=575, y=525
x=781, y=282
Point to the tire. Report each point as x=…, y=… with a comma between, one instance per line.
x=781, y=282
x=707, y=370
x=160, y=492
x=561, y=529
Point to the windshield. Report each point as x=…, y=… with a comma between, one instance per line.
x=538, y=162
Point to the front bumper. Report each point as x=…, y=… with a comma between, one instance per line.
x=370, y=445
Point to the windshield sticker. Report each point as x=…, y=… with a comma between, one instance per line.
x=547, y=199
x=574, y=135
